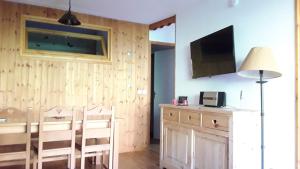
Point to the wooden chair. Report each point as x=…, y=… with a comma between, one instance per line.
x=11, y=143
x=51, y=142
x=97, y=140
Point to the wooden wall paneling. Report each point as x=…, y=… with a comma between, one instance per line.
x=80, y=83
x=59, y=83
x=4, y=54
x=140, y=87
x=110, y=100
x=130, y=60
x=120, y=82
x=23, y=90
x=63, y=84
x=90, y=84
x=144, y=105
x=70, y=81
x=17, y=64
x=76, y=85
x=100, y=85
x=30, y=85
x=38, y=67
x=120, y=76
x=32, y=82
x=2, y=62
x=50, y=80
x=43, y=84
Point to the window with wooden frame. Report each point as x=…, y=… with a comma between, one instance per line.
x=46, y=38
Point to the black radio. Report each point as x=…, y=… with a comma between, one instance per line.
x=213, y=99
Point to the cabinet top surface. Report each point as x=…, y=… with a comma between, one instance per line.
x=225, y=110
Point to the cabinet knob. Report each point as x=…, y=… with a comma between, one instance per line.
x=215, y=124
x=190, y=117
x=171, y=114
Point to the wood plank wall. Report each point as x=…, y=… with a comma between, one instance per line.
x=31, y=82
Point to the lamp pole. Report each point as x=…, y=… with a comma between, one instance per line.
x=262, y=115
x=260, y=63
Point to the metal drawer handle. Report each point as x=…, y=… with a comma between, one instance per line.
x=214, y=122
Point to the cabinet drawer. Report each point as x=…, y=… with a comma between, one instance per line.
x=216, y=122
x=192, y=118
x=171, y=114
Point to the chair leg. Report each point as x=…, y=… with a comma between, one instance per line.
x=98, y=159
x=40, y=164
x=82, y=162
x=73, y=162
x=34, y=164
x=69, y=162
x=110, y=159
x=27, y=163
x=93, y=160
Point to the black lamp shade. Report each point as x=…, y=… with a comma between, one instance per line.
x=69, y=19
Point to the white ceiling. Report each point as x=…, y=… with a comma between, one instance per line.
x=140, y=11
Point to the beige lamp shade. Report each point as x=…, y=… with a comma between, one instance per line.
x=259, y=58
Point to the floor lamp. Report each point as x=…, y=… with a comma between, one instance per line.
x=260, y=64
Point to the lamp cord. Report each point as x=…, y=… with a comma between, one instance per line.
x=69, y=5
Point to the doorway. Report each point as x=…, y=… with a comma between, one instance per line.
x=162, y=83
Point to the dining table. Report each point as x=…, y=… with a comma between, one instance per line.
x=15, y=123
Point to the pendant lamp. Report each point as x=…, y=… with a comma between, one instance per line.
x=68, y=18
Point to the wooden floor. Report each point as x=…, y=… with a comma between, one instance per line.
x=148, y=159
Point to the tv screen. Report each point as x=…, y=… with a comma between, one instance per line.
x=214, y=54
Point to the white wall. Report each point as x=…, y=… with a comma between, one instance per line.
x=164, y=34
x=256, y=23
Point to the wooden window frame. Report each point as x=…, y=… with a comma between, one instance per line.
x=58, y=55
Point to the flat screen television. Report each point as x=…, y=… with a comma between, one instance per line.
x=214, y=54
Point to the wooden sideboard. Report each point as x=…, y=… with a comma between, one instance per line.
x=194, y=137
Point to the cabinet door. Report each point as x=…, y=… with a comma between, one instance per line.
x=210, y=151
x=177, y=146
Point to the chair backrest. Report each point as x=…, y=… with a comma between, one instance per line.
x=48, y=133
x=103, y=126
x=97, y=131
x=15, y=138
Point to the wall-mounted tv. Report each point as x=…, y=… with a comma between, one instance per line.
x=214, y=54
